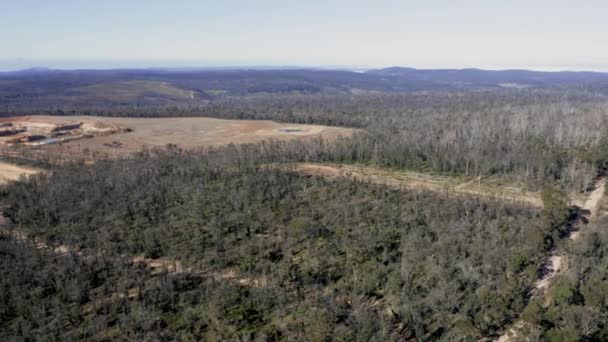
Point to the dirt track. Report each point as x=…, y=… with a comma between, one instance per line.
x=557, y=263
x=420, y=181
x=156, y=266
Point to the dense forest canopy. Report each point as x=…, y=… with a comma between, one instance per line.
x=348, y=258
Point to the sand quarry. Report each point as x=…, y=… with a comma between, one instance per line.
x=120, y=136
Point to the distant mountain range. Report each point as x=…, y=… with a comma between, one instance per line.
x=393, y=78
x=44, y=88
x=491, y=77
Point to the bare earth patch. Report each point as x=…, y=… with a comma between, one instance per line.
x=186, y=133
x=553, y=267
x=9, y=172
x=422, y=181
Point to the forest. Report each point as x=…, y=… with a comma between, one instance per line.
x=35, y=90
x=577, y=309
x=217, y=244
x=348, y=259
x=533, y=135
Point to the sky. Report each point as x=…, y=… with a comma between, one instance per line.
x=490, y=34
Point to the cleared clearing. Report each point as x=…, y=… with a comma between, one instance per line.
x=133, y=90
x=186, y=133
x=422, y=181
x=9, y=172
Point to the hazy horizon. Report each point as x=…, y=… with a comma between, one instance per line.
x=439, y=34
x=67, y=65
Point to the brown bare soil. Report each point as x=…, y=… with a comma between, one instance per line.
x=186, y=133
x=161, y=265
x=10, y=172
x=423, y=181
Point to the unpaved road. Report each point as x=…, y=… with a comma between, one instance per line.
x=593, y=201
x=553, y=267
x=592, y=204
x=164, y=264
x=555, y=264
x=157, y=266
x=420, y=181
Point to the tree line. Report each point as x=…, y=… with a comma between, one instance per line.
x=533, y=136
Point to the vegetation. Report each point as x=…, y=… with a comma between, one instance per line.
x=348, y=259
x=35, y=90
x=265, y=254
x=577, y=308
x=536, y=136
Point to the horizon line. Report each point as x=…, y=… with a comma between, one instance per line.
x=352, y=68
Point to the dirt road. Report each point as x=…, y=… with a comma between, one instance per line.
x=156, y=266
x=555, y=264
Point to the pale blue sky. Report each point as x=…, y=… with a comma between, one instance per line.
x=543, y=34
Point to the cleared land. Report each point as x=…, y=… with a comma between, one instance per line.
x=10, y=172
x=422, y=181
x=129, y=135
x=136, y=90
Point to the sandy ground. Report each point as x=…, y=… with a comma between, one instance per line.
x=185, y=132
x=10, y=172
x=421, y=181
x=553, y=267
